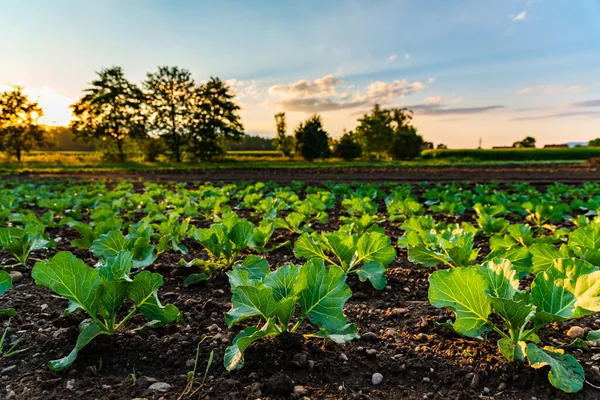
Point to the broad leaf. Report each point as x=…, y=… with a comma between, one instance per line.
x=234, y=354
x=87, y=334
x=462, y=290
x=375, y=273
x=565, y=372
x=342, y=335
x=143, y=291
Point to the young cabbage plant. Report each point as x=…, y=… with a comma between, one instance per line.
x=362, y=224
x=171, y=233
x=20, y=242
x=449, y=247
x=320, y=291
x=92, y=231
x=366, y=255
x=223, y=242
x=101, y=293
x=399, y=209
x=567, y=290
x=583, y=243
x=294, y=222
x=540, y=212
x=138, y=241
x=453, y=208
x=6, y=285
x=261, y=237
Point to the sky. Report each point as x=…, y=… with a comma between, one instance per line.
x=471, y=70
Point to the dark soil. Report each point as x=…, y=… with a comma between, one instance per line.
x=401, y=339
x=572, y=173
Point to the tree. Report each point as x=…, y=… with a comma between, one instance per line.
x=283, y=143
x=528, y=142
x=406, y=144
x=441, y=146
x=594, y=143
x=110, y=111
x=427, y=145
x=348, y=147
x=216, y=121
x=19, y=129
x=172, y=105
x=312, y=141
x=375, y=131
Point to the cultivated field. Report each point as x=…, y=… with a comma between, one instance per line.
x=287, y=283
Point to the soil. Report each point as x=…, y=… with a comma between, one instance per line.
x=401, y=339
x=571, y=173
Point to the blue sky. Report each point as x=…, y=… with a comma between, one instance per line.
x=496, y=70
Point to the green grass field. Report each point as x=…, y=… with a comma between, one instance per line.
x=71, y=161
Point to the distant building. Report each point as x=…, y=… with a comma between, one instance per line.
x=556, y=146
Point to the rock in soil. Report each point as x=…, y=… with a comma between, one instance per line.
x=160, y=387
x=576, y=332
x=280, y=384
x=376, y=379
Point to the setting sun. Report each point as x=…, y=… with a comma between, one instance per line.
x=54, y=105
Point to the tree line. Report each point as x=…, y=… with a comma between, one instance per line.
x=381, y=133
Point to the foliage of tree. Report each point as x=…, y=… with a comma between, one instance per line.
x=172, y=106
x=406, y=144
x=283, y=142
x=348, y=147
x=594, y=143
x=312, y=141
x=428, y=145
x=19, y=129
x=216, y=120
x=64, y=140
x=528, y=142
x=110, y=111
x=386, y=131
x=253, y=142
x=441, y=146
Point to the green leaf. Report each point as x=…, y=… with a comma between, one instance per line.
x=241, y=234
x=71, y=278
x=251, y=301
x=375, y=273
x=5, y=282
x=282, y=281
x=511, y=350
x=195, y=278
x=234, y=354
x=257, y=267
x=306, y=247
x=544, y=255
x=585, y=243
x=593, y=336
x=462, y=290
x=565, y=372
x=143, y=291
x=568, y=289
x=343, y=246
x=374, y=246
x=501, y=278
x=109, y=244
x=516, y=312
x=118, y=267
x=520, y=258
x=342, y=335
x=322, y=293
x=87, y=334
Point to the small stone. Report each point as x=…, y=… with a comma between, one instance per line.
x=160, y=387
x=474, y=380
x=144, y=381
x=576, y=332
x=16, y=276
x=300, y=360
x=344, y=357
x=376, y=379
x=280, y=384
x=299, y=390
x=399, y=311
x=189, y=364
x=390, y=332
x=486, y=390
x=311, y=365
x=106, y=387
x=502, y=387
x=407, y=290
x=426, y=380
x=70, y=384
x=369, y=336
x=371, y=352
x=43, y=307
x=214, y=328
x=8, y=369
x=388, y=288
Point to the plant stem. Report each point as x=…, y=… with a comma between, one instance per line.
x=127, y=318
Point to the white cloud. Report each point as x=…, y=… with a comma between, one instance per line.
x=392, y=57
x=407, y=56
x=434, y=100
x=244, y=89
x=322, y=94
x=551, y=89
x=321, y=86
x=520, y=16
x=431, y=80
